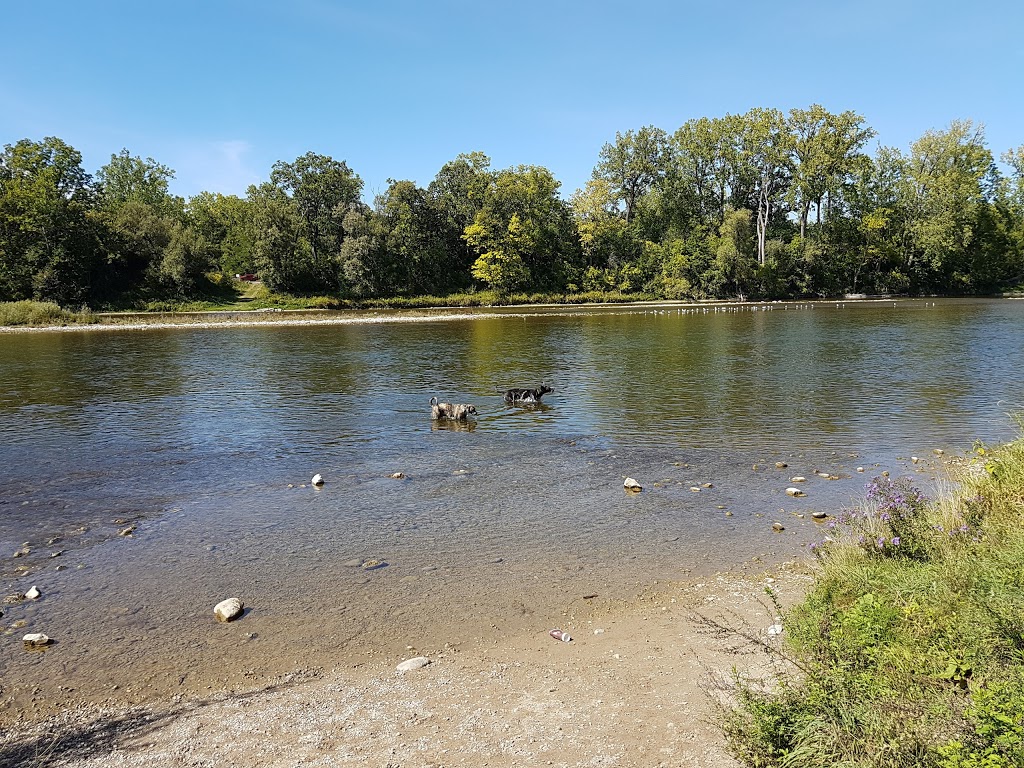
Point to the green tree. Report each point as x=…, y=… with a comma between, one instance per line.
x=47, y=243
x=826, y=150
x=225, y=222
x=949, y=181
x=765, y=146
x=322, y=190
x=734, y=260
x=633, y=165
x=131, y=179
x=280, y=253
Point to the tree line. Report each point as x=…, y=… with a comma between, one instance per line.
x=761, y=205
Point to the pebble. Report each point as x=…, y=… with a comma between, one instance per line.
x=58, y=553
x=914, y=459
x=126, y=531
x=318, y=479
x=860, y=469
x=22, y=552
x=36, y=639
x=728, y=514
x=938, y=451
x=33, y=593
x=695, y=488
x=794, y=492
x=227, y=610
x=632, y=485
x=61, y=568
x=707, y=485
x=781, y=465
x=598, y=631
x=885, y=473
x=372, y=564
x=775, y=629
x=417, y=662
x=397, y=475
x=818, y=515
x=778, y=527
x=798, y=479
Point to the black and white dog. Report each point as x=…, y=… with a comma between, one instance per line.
x=527, y=395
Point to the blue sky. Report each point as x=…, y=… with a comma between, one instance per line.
x=220, y=90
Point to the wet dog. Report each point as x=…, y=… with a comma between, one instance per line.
x=450, y=411
x=527, y=395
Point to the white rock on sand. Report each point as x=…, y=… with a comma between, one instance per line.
x=417, y=662
x=227, y=610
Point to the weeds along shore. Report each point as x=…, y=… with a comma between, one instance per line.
x=909, y=648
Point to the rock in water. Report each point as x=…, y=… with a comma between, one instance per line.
x=33, y=593
x=227, y=610
x=318, y=479
x=798, y=479
x=778, y=527
x=632, y=485
x=795, y=492
x=36, y=640
x=409, y=665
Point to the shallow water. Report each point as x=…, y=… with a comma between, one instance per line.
x=206, y=439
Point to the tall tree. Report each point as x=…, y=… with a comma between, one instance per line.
x=950, y=179
x=47, y=247
x=826, y=150
x=765, y=146
x=633, y=164
x=322, y=190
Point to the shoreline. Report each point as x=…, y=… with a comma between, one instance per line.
x=136, y=321
x=636, y=686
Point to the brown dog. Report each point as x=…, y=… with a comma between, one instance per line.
x=450, y=411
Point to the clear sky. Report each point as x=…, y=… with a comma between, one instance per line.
x=221, y=89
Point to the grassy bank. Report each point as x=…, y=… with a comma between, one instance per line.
x=909, y=650
x=40, y=313
x=258, y=297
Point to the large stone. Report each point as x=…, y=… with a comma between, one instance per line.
x=33, y=593
x=318, y=479
x=418, y=662
x=228, y=610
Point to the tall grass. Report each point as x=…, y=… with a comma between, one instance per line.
x=909, y=649
x=27, y=312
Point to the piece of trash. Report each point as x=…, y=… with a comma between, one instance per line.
x=558, y=634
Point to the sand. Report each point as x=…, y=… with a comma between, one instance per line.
x=635, y=687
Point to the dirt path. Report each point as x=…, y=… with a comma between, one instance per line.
x=631, y=689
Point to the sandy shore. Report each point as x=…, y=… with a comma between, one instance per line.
x=635, y=687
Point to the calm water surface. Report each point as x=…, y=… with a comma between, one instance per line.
x=206, y=440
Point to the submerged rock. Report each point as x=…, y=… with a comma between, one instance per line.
x=632, y=485
x=798, y=479
x=228, y=610
x=417, y=662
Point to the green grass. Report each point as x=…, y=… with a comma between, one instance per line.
x=40, y=313
x=908, y=653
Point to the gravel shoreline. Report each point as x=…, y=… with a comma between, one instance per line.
x=636, y=687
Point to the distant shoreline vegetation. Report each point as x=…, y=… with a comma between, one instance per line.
x=758, y=206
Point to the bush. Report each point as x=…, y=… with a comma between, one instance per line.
x=27, y=312
x=909, y=649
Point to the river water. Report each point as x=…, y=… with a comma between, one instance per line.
x=206, y=439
